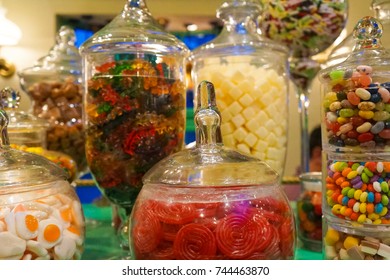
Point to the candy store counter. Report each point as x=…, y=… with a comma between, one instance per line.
x=102, y=244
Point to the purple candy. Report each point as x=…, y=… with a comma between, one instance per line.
x=374, y=178
x=355, y=180
x=358, y=185
x=330, y=173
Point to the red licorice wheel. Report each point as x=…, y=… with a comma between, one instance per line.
x=170, y=231
x=175, y=213
x=287, y=236
x=146, y=233
x=164, y=251
x=238, y=235
x=194, y=242
x=267, y=232
x=273, y=251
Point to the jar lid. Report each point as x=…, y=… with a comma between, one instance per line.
x=209, y=163
x=311, y=181
x=368, y=51
x=240, y=35
x=63, y=57
x=10, y=100
x=21, y=171
x=134, y=29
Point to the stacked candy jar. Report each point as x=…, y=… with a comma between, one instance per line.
x=54, y=85
x=250, y=75
x=134, y=102
x=211, y=202
x=356, y=134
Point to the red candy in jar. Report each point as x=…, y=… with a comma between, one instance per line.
x=211, y=202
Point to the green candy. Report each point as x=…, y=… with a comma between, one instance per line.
x=336, y=75
x=346, y=113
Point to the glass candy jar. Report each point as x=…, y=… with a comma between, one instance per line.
x=28, y=133
x=54, y=85
x=134, y=100
x=211, y=202
x=249, y=73
x=309, y=208
x=355, y=95
x=41, y=216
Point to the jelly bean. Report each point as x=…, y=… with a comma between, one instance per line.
x=351, y=202
x=363, y=94
x=346, y=113
x=341, y=95
x=357, y=179
x=381, y=116
x=360, y=169
x=352, y=174
x=363, y=197
x=358, y=185
x=355, y=166
x=364, y=69
x=375, y=97
x=334, y=106
x=336, y=75
x=357, y=121
x=384, y=93
x=336, y=209
x=365, y=137
x=377, y=127
x=345, y=103
x=372, y=215
x=345, y=200
x=351, y=193
x=377, y=186
x=366, y=106
x=356, y=207
x=386, y=166
x=351, y=142
x=377, y=222
x=365, y=127
x=348, y=212
x=375, y=178
x=368, y=172
x=377, y=197
x=331, y=96
x=331, y=116
x=387, y=107
x=357, y=194
x=379, y=167
x=384, y=211
x=370, y=197
x=380, y=106
x=367, y=115
x=363, y=207
x=385, y=200
x=353, y=98
x=345, y=191
x=370, y=208
x=385, y=133
x=362, y=218
x=385, y=186
x=365, y=80
x=378, y=208
x=342, y=120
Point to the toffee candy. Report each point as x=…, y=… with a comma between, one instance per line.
x=356, y=110
x=340, y=245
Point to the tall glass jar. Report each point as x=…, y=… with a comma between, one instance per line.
x=134, y=101
x=54, y=85
x=250, y=75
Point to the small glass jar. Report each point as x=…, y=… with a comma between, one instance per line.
x=355, y=95
x=309, y=211
x=357, y=188
x=28, y=133
x=41, y=217
x=250, y=75
x=211, y=202
x=54, y=85
x=346, y=240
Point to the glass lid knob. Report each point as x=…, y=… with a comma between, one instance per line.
x=367, y=33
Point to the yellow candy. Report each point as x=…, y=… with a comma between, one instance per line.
x=362, y=218
x=357, y=194
x=377, y=222
x=366, y=114
x=363, y=207
x=363, y=197
x=350, y=242
x=352, y=175
x=383, y=212
x=336, y=209
x=331, y=237
x=373, y=216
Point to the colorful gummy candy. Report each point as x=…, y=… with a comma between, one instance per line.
x=357, y=110
x=248, y=229
x=307, y=27
x=309, y=208
x=135, y=116
x=359, y=191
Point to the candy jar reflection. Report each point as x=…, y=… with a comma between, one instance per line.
x=211, y=202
